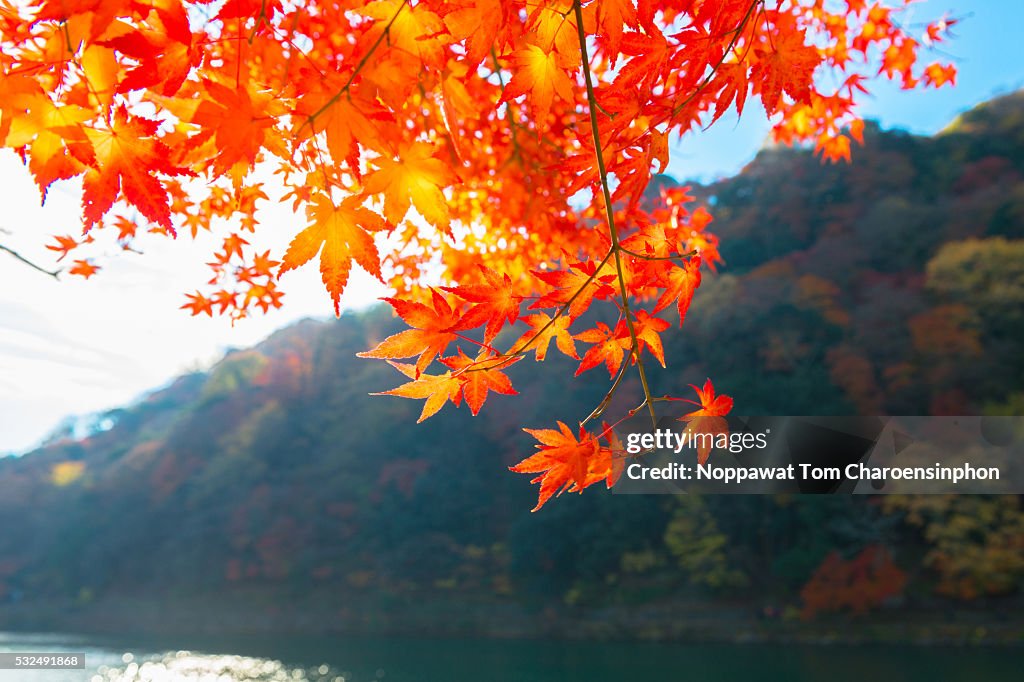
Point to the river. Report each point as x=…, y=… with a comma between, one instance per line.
x=446, y=660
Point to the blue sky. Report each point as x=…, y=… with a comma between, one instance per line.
x=988, y=49
x=74, y=347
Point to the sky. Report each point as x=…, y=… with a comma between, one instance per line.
x=73, y=347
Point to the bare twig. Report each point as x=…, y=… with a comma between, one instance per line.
x=26, y=261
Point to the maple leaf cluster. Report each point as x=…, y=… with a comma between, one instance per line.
x=488, y=159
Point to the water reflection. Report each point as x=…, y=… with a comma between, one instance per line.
x=185, y=666
x=107, y=664
x=408, y=659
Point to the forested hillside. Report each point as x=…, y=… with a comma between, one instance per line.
x=273, y=493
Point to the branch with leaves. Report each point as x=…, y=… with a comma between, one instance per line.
x=489, y=160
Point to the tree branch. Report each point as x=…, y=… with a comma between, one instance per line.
x=609, y=211
x=26, y=261
x=359, y=67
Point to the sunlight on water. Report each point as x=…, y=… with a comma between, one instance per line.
x=112, y=665
x=185, y=666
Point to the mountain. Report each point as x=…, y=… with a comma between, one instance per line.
x=271, y=493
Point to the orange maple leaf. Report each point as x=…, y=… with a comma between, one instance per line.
x=709, y=421
x=542, y=331
x=344, y=232
x=610, y=16
x=241, y=122
x=128, y=156
x=576, y=286
x=83, y=268
x=787, y=67
x=711, y=405
x=495, y=303
x=647, y=328
x=477, y=23
x=540, y=74
x=63, y=246
x=609, y=347
x=565, y=462
x=681, y=283
x=437, y=389
x=477, y=377
x=415, y=177
x=429, y=337
x=197, y=303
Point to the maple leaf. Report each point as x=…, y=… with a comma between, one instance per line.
x=197, y=303
x=57, y=145
x=649, y=52
x=233, y=244
x=542, y=331
x=705, y=431
x=709, y=421
x=478, y=24
x=412, y=28
x=162, y=48
x=83, y=268
x=430, y=334
x=788, y=67
x=63, y=246
x=125, y=228
x=495, y=303
x=343, y=231
x=540, y=74
x=937, y=74
x=128, y=156
x=647, y=328
x=551, y=25
x=478, y=376
x=617, y=454
x=681, y=283
x=415, y=177
x=565, y=462
x=577, y=284
x=609, y=347
x=436, y=389
x=611, y=15
x=711, y=405
x=346, y=121
x=240, y=121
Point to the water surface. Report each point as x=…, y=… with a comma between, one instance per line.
x=351, y=659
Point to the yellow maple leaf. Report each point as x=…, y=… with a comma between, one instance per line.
x=343, y=232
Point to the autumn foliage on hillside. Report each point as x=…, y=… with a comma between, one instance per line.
x=488, y=159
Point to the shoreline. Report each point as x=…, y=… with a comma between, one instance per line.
x=253, y=615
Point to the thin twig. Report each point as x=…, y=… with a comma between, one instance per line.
x=714, y=70
x=359, y=67
x=26, y=261
x=641, y=256
x=508, y=357
x=607, y=400
x=508, y=108
x=609, y=211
